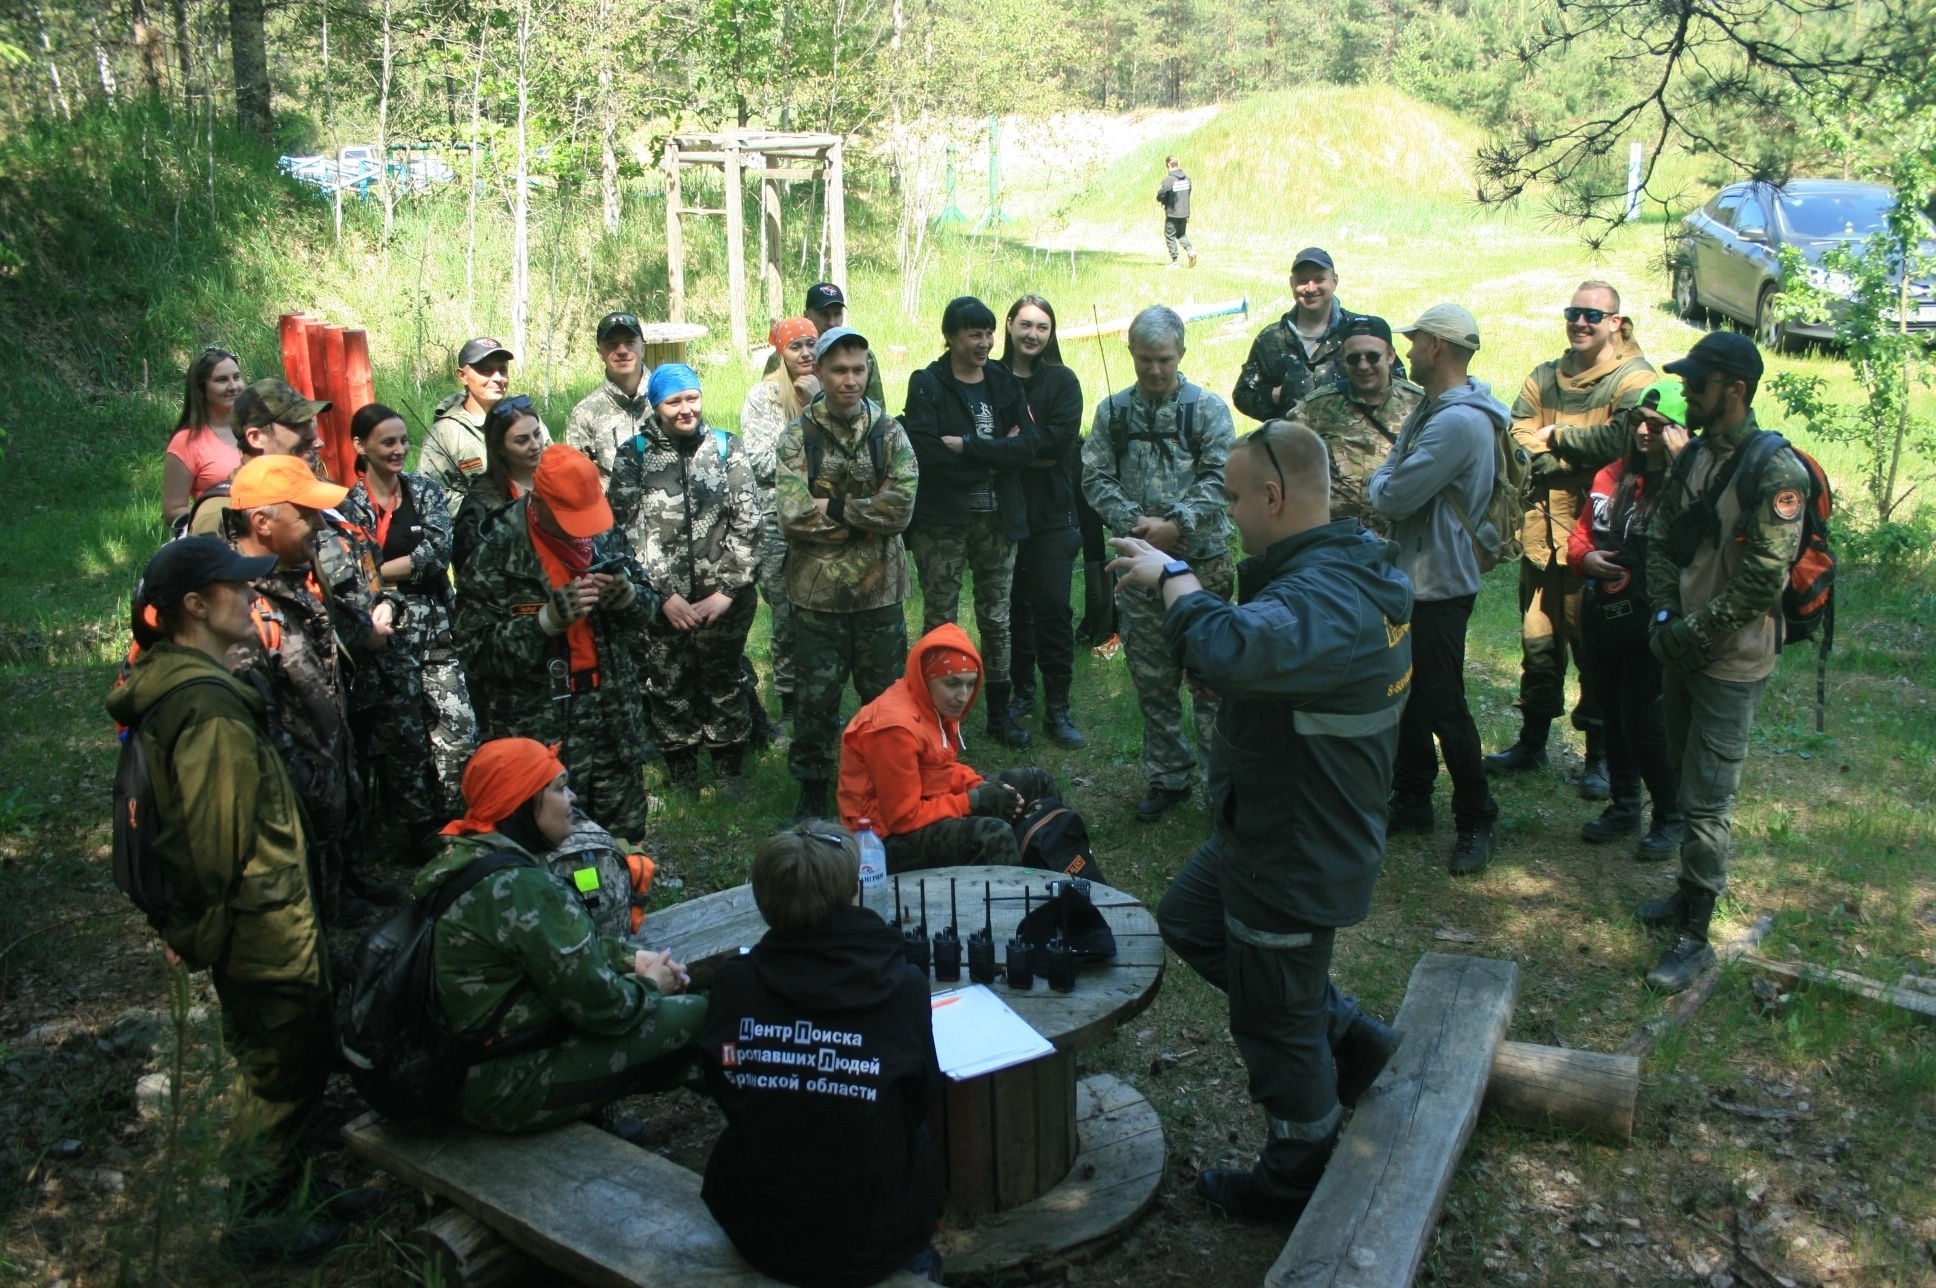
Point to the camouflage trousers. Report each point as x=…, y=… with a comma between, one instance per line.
x=1549, y=634
x=328, y=784
x=283, y=1044
x=771, y=575
x=692, y=680
x=1167, y=761
x=943, y=554
x=870, y=646
x=609, y=784
x=953, y=841
x=421, y=732
x=584, y=1073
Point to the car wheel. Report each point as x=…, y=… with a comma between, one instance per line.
x=1687, y=301
x=1769, y=332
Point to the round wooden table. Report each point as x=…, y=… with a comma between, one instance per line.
x=1036, y=1161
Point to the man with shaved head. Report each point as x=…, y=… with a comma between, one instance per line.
x=1315, y=659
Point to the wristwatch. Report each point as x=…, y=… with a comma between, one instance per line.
x=1663, y=617
x=1174, y=568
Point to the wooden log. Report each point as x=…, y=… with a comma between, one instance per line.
x=775, y=256
x=1561, y=1089
x=837, y=214
x=466, y=1253
x=736, y=253
x=1373, y=1214
x=1918, y=1004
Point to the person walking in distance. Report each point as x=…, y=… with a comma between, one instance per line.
x=1442, y=466
x=1569, y=417
x=609, y=416
x=1152, y=467
x=1718, y=553
x=1173, y=194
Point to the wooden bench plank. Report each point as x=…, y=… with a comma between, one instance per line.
x=1372, y=1218
x=581, y=1200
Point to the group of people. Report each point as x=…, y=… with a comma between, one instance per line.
x=604, y=588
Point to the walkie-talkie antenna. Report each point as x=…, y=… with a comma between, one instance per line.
x=900, y=909
x=1108, y=388
x=954, y=911
x=988, y=910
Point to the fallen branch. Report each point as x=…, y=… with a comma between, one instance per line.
x=1921, y=1005
x=1764, y=1113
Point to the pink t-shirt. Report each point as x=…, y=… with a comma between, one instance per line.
x=208, y=458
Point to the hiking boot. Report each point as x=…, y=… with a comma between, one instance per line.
x=1472, y=850
x=1002, y=729
x=1405, y=816
x=1022, y=705
x=1621, y=818
x=1690, y=953
x=1663, y=839
x=1594, y=785
x=729, y=771
x=1239, y=1197
x=1361, y=1055
x=1526, y=754
x=1158, y=801
x=813, y=800
x=682, y=769
x=1061, y=729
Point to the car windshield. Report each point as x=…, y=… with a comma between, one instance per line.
x=1846, y=214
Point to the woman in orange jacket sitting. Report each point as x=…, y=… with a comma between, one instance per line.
x=899, y=771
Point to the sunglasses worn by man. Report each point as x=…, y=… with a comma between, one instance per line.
x=1593, y=317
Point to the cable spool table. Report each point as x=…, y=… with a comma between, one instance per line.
x=1036, y=1161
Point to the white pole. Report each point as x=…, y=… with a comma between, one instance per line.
x=1635, y=157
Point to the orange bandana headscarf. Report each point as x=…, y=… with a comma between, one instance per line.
x=503, y=775
x=937, y=662
x=787, y=330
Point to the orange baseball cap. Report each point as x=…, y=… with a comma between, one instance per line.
x=567, y=482
x=278, y=480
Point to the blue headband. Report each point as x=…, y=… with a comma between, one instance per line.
x=672, y=378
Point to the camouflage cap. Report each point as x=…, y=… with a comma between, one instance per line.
x=271, y=401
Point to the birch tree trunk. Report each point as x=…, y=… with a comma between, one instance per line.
x=607, y=120
x=56, y=96
x=105, y=68
x=147, y=44
x=521, y=191
x=384, y=192
x=470, y=244
x=249, y=56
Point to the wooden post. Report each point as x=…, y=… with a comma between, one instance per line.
x=339, y=453
x=837, y=216
x=770, y=239
x=736, y=249
x=1555, y=1087
x=675, y=239
x=295, y=354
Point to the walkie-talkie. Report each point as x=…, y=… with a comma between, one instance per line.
x=1021, y=974
x=981, y=944
x=947, y=944
x=914, y=940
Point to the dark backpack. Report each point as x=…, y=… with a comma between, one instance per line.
x=404, y=1060
x=1808, y=597
x=137, y=867
x=1053, y=837
x=1186, y=423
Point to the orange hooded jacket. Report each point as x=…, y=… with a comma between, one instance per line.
x=897, y=757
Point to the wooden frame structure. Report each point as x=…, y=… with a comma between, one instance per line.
x=776, y=157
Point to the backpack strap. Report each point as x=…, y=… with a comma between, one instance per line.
x=467, y=876
x=1754, y=457
x=723, y=443
x=484, y=1042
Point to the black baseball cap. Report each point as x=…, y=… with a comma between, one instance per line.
x=1727, y=353
x=1365, y=324
x=612, y=322
x=481, y=348
x=825, y=295
x=1313, y=255
x=194, y=562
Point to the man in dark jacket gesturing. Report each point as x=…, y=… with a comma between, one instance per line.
x=1314, y=663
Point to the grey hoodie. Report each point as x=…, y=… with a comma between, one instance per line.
x=1446, y=446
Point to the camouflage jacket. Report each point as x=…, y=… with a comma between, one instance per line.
x=605, y=420
x=690, y=509
x=522, y=928
x=1278, y=361
x=510, y=662
x=1730, y=591
x=296, y=659
x=454, y=449
x=1359, y=437
x=850, y=558
x=1585, y=408
x=762, y=420
x=425, y=622
x=1160, y=474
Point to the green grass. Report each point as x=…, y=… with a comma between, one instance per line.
x=1834, y=835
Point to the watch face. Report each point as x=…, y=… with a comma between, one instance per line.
x=1662, y=616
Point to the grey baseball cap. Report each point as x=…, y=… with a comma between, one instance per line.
x=1449, y=323
x=834, y=336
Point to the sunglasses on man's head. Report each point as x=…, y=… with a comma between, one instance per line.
x=1593, y=316
x=1363, y=359
x=1261, y=435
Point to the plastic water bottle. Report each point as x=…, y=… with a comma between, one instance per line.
x=873, y=858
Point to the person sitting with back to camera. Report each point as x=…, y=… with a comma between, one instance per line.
x=900, y=767
x=826, y=1177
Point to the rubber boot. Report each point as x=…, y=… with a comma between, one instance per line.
x=1690, y=953
x=1056, y=724
x=1098, y=606
x=1663, y=839
x=813, y=800
x=1620, y=818
x=1000, y=727
x=729, y=771
x=1594, y=784
x=682, y=768
x=1528, y=753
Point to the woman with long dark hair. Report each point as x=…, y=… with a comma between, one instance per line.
x=202, y=451
x=1039, y=613
x=415, y=721
x=514, y=443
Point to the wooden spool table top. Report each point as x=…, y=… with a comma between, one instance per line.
x=709, y=930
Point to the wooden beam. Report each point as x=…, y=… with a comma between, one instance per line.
x=1372, y=1217
x=1557, y=1088
x=675, y=239
x=837, y=214
x=770, y=265
x=736, y=252
x=1917, y=1003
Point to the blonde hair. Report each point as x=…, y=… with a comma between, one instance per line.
x=800, y=876
x=789, y=396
